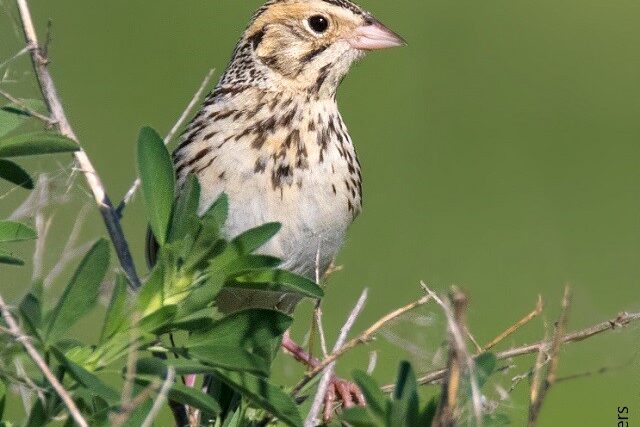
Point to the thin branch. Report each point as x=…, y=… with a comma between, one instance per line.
x=473, y=339
x=326, y=376
x=162, y=397
x=51, y=98
x=167, y=139
x=538, y=395
x=363, y=338
x=622, y=320
x=459, y=359
x=373, y=361
x=316, y=321
x=47, y=120
x=42, y=365
x=17, y=55
x=43, y=226
x=513, y=328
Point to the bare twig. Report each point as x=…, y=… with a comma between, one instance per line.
x=513, y=328
x=473, y=340
x=51, y=98
x=373, y=361
x=167, y=139
x=364, y=337
x=540, y=392
x=42, y=365
x=132, y=359
x=326, y=376
x=446, y=413
x=162, y=397
x=536, y=375
x=14, y=57
x=47, y=120
x=42, y=228
x=459, y=359
x=622, y=320
x=316, y=321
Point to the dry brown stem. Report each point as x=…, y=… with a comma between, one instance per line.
x=513, y=328
x=319, y=398
x=459, y=359
x=364, y=337
x=623, y=319
x=541, y=389
x=46, y=120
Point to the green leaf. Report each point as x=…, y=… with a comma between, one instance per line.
x=193, y=397
x=116, y=315
x=253, y=329
x=158, y=181
x=253, y=239
x=201, y=320
x=3, y=397
x=38, y=416
x=15, y=174
x=278, y=280
x=231, y=358
x=485, y=366
x=139, y=414
x=12, y=115
x=187, y=395
x=86, y=378
x=6, y=258
x=264, y=395
x=159, y=319
x=201, y=296
x=245, y=264
x=376, y=400
x=404, y=407
x=151, y=294
x=11, y=231
x=31, y=144
x=81, y=293
x=233, y=420
x=429, y=411
x=184, y=220
x=158, y=367
x=358, y=417
x=31, y=309
x=218, y=211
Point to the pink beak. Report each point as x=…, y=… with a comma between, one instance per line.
x=374, y=36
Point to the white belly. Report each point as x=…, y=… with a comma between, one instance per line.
x=314, y=219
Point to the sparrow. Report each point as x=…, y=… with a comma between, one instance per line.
x=271, y=137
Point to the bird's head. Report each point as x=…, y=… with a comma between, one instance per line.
x=306, y=45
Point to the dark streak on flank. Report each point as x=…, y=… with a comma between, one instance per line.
x=207, y=165
x=199, y=155
x=280, y=174
x=260, y=166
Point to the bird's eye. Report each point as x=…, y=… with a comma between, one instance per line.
x=318, y=23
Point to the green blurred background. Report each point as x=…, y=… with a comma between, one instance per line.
x=500, y=152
